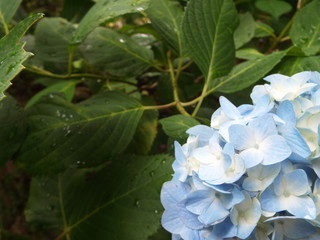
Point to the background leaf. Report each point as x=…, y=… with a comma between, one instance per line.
x=66, y=87
x=104, y=10
x=305, y=30
x=12, y=54
x=275, y=8
x=82, y=135
x=166, y=17
x=208, y=28
x=176, y=126
x=245, y=31
x=292, y=65
x=52, y=38
x=116, y=53
x=245, y=74
x=8, y=9
x=128, y=208
x=13, y=128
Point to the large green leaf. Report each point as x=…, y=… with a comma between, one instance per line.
x=245, y=74
x=208, y=28
x=166, y=17
x=66, y=87
x=245, y=31
x=177, y=125
x=8, y=9
x=13, y=128
x=12, y=54
x=85, y=134
x=52, y=38
x=104, y=10
x=275, y=8
x=292, y=65
x=120, y=201
x=305, y=30
x=116, y=53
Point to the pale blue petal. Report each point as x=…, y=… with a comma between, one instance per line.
x=244, y=230
x=297, y=228
x=229, y=109
x=189, y=234
x=275, y=149
x=179, y=155
x=214, y=213
x=316, y=166
x=303, y=207
x=189, y=219
x=229, y=200
x=223, y=230
x=270, y=202
x=296, y=182
x=263, y=127
x=276, y=77
x=203, y=132
x=299, y=147
x=198, y=201
x=173, y=192
x=171, y=222
x=286, y=112
x=252, y=157
x=242, y=137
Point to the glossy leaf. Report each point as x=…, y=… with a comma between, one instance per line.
x=208, y=28
x=128, y=208
x=166, y=17
x=85, y=134
x=248, y=54
x=305, y=30
x=245, y=31
x=104, y=10
x=52, y=37
x=245, y=74
x=176, y=126
x=12, y=54
x=7, y=10
x=116, y=53
x=66, y=87
x=275, y=8
x=13, y=128
x=292, y=65
x=263, y=30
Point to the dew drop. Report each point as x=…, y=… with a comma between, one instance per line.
x=122, y=40
x=151, y=173
x=137, y=203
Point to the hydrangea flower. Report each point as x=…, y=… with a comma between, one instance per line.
x=255, y=172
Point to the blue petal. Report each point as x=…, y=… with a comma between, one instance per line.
x=223, y=230
x=242, y=137
x=263, y=127
x=229, y=109
x=286, y=112
x=302, y=207
x=215, y=212
x=275, y=149
x=203, y=132
x=296, y=182
x=173, y=192
x=198, y=201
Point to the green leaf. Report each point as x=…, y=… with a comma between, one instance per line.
x=52, y=38
x=82, y=135
x=292, y=65
x=66, y=87
x=263, y=30
x=177, y=125
x=146, y=131
x=245, y=74
x=120, y=201
x=248, y=54
x=73, y=13
x=116, y=53
x=8, y=9
x=208, y=28
x=166, y=17
x=275, y=8
x=305, y=30
x=245, y=31
x=12, y=54
x=13, y=128
x=104, y=10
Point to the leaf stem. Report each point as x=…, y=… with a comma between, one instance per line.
x=43, y=72
x=281, y=35
x=174, y=80
x=4, y=24
x=71, y=49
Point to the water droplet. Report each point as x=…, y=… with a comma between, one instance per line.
x=163, y=161
x=139, y=9
x=51, y=96
x=58, y=113
x=151, y=173
x=137, y=203
x=122, y=40
x=78, y=162
x=156, y=211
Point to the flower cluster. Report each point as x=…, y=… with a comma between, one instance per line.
x=255, y=172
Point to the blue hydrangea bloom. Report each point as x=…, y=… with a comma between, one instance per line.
x=254, y=173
